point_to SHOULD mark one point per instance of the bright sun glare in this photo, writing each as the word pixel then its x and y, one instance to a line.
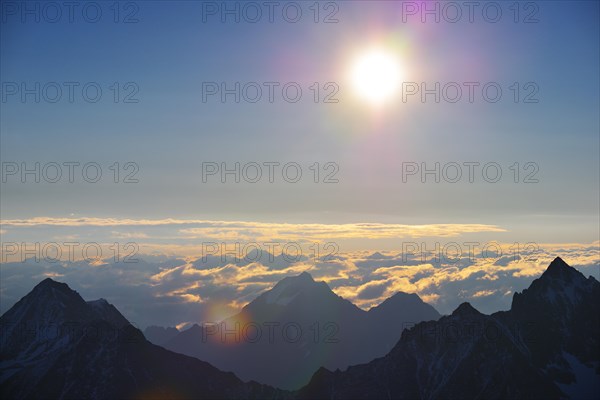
pixel 376 76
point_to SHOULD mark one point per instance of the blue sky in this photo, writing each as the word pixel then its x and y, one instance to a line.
pixel 170 132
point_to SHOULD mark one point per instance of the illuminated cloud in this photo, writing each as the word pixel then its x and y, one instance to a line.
pixel 484 293
pixel 169 291
pixel 129 235
pixel 234 230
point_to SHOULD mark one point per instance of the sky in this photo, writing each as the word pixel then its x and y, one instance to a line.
pixel 131 112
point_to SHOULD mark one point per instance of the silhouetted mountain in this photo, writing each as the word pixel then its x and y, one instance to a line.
pixel 55 345
pixel 546 347
pixel 377 256
pixel 275 262
pixel 399 312
pixel 298 326
pixel 560 316
pixel 160 335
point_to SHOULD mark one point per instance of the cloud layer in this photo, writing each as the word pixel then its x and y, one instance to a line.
pixel 171 291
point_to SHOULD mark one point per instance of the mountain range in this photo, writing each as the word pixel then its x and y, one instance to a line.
pixel 298 326
pixel 545 347
pixel 56 345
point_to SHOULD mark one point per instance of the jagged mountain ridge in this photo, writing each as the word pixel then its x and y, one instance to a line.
pixel 538 349
pixel 56 345
pixel 527 352
pixel 160 335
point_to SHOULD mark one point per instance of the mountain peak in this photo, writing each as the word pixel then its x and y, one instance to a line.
pixel 466 309
pixel 399 298
pixel 51 283
pixel 304 277
pixel 49 288
pixel 404 295
pixel 376 256
pixel 558 264
pixel 56 301
pixel 288 288
pixel 408 304
pixel 560 270
pixel 300 281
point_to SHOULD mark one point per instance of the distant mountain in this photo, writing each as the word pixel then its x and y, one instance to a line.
pixel 275 262
pixel 298 326
pixel 395 314
pixel 545 347
pixel 159 334
pixel 56 345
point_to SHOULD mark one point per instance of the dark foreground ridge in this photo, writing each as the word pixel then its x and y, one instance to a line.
pixel 55 345
pixel 546 346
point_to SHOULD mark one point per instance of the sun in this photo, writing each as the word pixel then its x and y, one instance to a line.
pixel 376 75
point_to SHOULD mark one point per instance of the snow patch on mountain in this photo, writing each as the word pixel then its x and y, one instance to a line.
pixel 288 289
pixel 587 383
